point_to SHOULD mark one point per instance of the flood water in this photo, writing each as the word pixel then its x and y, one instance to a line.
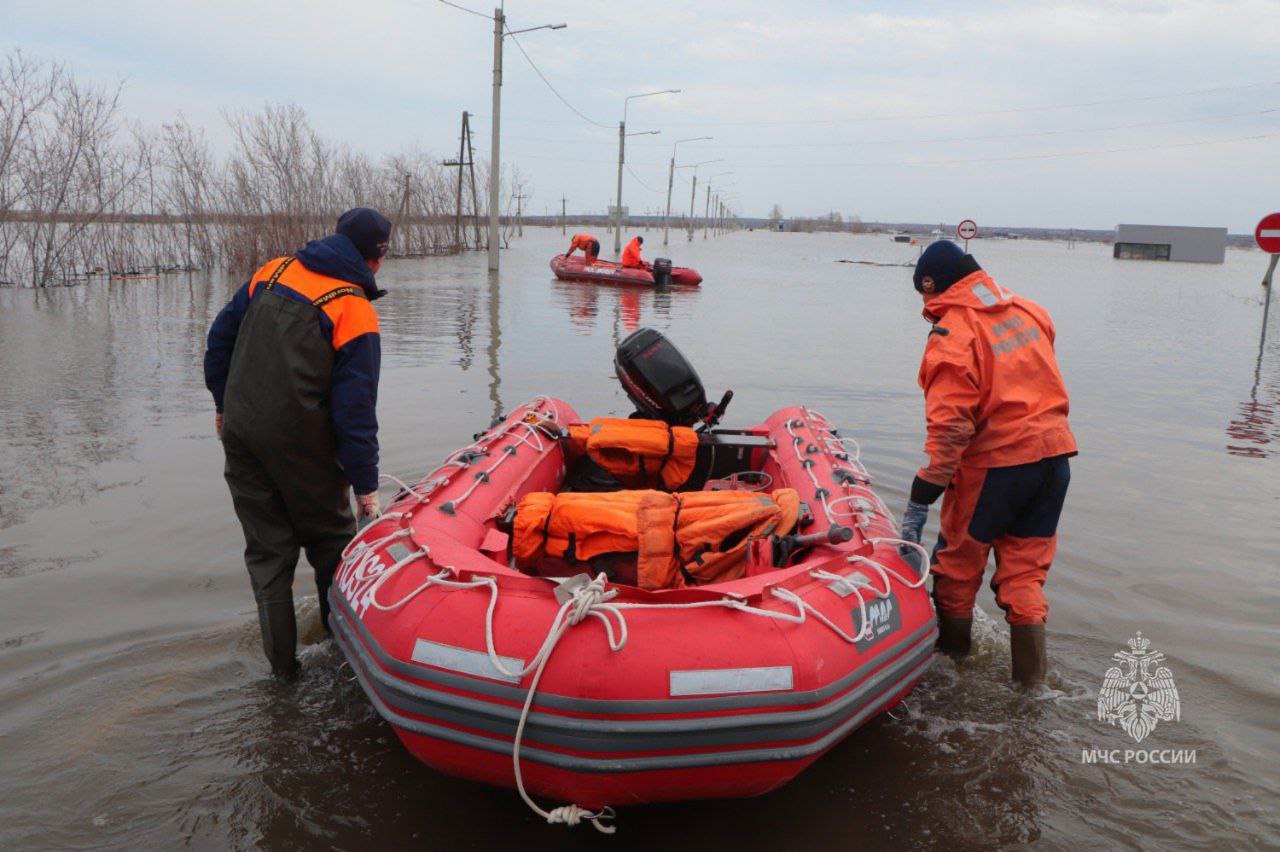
pixel 134 707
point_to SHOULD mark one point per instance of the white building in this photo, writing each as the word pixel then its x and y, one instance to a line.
pixel 1170 242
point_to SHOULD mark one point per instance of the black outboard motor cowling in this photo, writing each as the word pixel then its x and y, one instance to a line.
pixel 661 271
pixel 659 379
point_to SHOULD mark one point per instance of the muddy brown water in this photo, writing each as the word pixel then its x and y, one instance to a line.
pixel 134 710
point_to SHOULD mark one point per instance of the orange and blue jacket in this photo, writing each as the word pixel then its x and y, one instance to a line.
pixel 583 243
pixel 631 255
pixel 994 396
pixel 330 274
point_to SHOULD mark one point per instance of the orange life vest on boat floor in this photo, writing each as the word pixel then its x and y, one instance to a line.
pixel 680 540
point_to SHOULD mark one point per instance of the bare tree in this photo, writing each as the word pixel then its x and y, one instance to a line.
pixel 82 194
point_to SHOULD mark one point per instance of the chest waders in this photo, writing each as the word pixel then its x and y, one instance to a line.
pixel 289 491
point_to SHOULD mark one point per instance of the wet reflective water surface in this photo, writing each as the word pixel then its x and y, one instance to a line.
pixel 134 708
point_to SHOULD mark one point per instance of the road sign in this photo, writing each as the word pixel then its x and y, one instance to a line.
pixel 1268 234
pixel 968 229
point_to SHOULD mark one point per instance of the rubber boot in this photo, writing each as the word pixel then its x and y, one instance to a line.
pixel 1026 646
pixel 323 582
pixel 955 635
pixel 279 637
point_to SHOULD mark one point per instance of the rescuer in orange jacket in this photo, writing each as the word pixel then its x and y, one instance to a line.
pixel 631 255
pixel 998 444
pixel 588 244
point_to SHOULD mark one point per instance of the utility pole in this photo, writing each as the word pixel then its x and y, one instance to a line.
pixel 519 197
pixel 622 158
pixel 706 213
pixel 401 212
pixel 562 215
pixel 693 194
pixel 471 172
pixel 466 159
pixel 671 179
pixel 495 161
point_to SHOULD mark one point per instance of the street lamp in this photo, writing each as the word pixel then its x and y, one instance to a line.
pixel 706 213
pixel 500 32
pixel 622 152
pixel 693 192
pixel 671 179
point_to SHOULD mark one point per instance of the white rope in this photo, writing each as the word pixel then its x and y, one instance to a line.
pixel 590 599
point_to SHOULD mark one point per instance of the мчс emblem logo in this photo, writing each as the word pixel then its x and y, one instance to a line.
pixel 1136 694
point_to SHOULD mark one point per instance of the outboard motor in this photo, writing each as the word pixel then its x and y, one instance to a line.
pixel 661 381
pixel 661 271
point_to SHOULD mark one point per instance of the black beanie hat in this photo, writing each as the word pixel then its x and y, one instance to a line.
pixel 368 229
pixel 944 262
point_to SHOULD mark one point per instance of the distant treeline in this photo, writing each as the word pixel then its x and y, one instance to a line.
pixel 83 191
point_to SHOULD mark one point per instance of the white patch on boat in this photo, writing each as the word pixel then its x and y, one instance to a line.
pixel 463 660
pixel 731 681
pixel 846 586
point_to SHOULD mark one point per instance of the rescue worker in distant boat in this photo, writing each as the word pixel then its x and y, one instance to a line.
pixel 631 254
pixel 997 445
pixel 293 362
pixel 588 244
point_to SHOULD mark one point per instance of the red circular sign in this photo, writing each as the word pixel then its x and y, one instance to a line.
pixel 1268 234
pixel 967 230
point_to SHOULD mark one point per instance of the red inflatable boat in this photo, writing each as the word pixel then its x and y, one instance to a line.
pixel 584 689
pixel 607 272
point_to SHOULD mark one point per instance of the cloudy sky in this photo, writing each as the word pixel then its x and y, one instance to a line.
pixel 1079 113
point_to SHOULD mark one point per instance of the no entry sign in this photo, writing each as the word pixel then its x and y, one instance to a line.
pixel 968 229
pixel 1268 234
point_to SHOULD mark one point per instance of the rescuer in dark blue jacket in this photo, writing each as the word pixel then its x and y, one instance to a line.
pixel 292 362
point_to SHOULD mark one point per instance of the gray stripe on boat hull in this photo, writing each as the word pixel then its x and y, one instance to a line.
pixel 613 706
pixel 577 763
pixel 396 698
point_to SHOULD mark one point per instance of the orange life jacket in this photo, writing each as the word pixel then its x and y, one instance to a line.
pixel 638 453
pixel 679 540
pixel 582 242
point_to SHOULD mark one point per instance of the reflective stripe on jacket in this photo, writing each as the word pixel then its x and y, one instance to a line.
pixel 994 396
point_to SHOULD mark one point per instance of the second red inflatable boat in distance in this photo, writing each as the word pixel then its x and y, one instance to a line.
pixel 607 272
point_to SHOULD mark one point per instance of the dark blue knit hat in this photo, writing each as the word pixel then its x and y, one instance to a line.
pixel 368 229
pixel 944 262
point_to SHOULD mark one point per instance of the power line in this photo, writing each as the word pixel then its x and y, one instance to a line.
pixel 950 138
pixel 544 79
pixel 958 161
pixel 469 11
pixel 959 114
pixel 640 180
pixel 936 139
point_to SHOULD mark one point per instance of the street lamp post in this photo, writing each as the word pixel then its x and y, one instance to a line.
pixel 671 179
pixel 693 193
pixel 622 158
pixel 500 32
pixel 706 214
